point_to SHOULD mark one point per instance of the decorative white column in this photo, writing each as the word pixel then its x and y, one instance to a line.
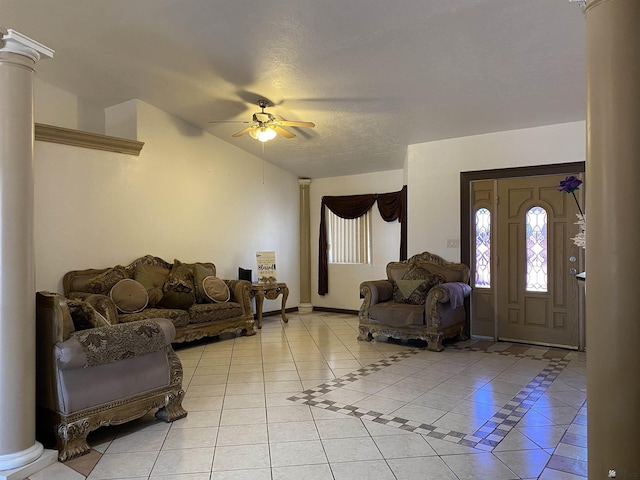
pixel 18 447
pixel 613 237
pixel 305 305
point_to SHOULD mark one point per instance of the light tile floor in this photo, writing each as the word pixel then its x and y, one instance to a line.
pixel 306 400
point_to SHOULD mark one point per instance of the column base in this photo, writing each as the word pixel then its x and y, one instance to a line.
pixel 305 308
pixel 47 457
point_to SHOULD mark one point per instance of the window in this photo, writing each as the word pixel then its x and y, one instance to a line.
pixel 483 248
pixel 349 239
pixel 536 225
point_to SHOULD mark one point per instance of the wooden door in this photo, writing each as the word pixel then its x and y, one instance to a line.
pixel 537 293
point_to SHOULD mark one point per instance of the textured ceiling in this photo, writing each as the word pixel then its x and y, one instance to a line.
pixel 373 75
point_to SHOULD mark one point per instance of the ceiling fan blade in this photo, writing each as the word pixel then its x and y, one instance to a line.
pixel 281 131
pixel 288 123
pixel 242 132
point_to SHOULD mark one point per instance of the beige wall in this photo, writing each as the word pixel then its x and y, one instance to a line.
pixel 433 172
pixel 55 106
pixel 193 196
pixel 189 196
pixel 344 280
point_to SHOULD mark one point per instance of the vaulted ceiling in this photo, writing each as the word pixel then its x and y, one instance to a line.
pixel 373 75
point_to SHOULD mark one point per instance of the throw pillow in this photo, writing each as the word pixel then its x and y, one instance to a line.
pixel 104 282
pixel 178 290
pixel 432 278
pixel 414 285
pixel 449 274
pixel 414 273
pixel 410 291
pixel 152 277
pixel 216 289
pixel 103 305
pixel 200 272
pixel 180 278
pixel 84 316
pixel 129 296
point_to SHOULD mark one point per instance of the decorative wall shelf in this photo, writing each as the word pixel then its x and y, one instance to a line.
pixel 79 138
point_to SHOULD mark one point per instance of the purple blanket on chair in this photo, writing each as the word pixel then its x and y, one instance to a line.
pixel 457 292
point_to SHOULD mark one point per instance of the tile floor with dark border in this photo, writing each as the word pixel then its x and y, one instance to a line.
pixel 494 430
pixel 479 409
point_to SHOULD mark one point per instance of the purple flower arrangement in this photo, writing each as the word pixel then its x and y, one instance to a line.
pixel 570 185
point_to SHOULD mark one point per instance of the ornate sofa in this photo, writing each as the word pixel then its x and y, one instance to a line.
pixel 173 290
pixel 102 375
pixel 422 298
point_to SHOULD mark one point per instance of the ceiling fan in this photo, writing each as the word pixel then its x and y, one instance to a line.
pixel 265 126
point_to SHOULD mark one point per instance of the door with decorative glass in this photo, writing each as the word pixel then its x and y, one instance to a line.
pixel 536 291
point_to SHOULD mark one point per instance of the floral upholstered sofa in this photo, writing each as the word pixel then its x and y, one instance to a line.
pixel 422 298
pixel 198 303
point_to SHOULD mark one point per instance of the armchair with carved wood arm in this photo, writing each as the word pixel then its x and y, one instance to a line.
pixel 422 298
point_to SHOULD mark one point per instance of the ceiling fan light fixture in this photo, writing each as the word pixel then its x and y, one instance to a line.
pixel 263 134
pixel 265 126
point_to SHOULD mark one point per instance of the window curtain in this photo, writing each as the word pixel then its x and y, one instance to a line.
pixel 392 206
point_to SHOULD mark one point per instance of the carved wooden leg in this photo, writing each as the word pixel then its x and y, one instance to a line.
pixel 173 410
pixel 434 342
pixel 365 334
pixel 259 302
pixel 71 439
pixel 250 330
pixel 173 399
pixel 462 335
pixel 285 293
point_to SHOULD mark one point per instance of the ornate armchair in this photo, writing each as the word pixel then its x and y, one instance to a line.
pixel 101 375
pixel 422 298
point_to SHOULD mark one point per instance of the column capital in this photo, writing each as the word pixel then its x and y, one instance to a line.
pixel 582 3
pixel 14 42
pixel 304 181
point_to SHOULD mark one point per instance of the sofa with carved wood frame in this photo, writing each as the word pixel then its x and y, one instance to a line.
pixel 430 309
pixel 199 317
pixel 100 375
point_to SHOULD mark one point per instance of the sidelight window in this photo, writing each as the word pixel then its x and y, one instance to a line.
pixel 536 238
pixel 483 248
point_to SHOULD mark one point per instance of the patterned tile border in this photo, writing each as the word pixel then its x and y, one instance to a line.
pixel 487 437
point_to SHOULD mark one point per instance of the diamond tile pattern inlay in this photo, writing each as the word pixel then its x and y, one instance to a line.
pixel 307 400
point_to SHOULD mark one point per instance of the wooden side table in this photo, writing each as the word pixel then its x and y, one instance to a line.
pixel 270 291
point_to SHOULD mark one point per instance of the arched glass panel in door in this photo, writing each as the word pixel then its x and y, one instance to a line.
pixel 483 248
pixel 536 238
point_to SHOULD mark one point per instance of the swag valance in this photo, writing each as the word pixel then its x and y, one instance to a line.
pixel 392 206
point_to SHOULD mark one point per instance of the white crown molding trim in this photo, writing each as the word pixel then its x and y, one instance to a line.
pixel 14 42
pixel 78 138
